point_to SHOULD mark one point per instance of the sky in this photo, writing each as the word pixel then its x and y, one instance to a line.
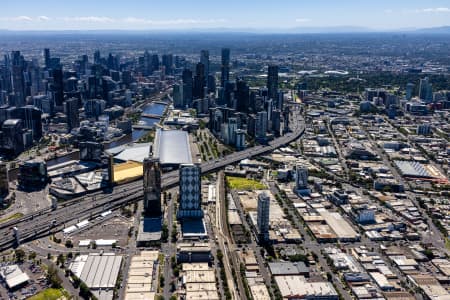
pixel 210 14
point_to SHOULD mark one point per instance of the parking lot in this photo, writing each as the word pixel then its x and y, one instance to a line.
pixel 36 283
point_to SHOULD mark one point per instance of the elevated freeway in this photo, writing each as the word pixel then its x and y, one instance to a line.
pixel 47 221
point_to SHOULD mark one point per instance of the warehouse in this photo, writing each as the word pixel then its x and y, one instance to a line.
pixel 296 287
pixel 99 272
pixel 143 269
pixel 342 229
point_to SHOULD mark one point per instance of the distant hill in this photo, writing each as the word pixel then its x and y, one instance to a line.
pixel 235 31
pixel 435 30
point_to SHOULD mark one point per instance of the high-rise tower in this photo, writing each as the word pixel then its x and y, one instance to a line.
pixel 152 187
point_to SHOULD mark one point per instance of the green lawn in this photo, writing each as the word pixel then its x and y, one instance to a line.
pixel 447 243
pixel 49 294
pixel 242 184
pixel 12 217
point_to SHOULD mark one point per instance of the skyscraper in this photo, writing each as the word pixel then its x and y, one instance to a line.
pixel 47 57
pixel 409 91
pixel 71 111
pixel 242 95
pixel 225 67
pixel 190 192
pixel 152 187
pixel 263 217
pixel 272 82
pixel 178 96
pixel 199 81
pixel 426 90
pixel 261 125
pixel 204 59
pixel 167 62
pixel 58 87
pixel 4 180
pixel 18 81
pixel 188 85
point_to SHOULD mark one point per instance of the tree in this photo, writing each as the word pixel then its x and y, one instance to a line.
pixel 60 260
pixel 19 255
pixel 53 277
pixel 32 256
pixel 164 232
pixel 85 293
pixel 69 244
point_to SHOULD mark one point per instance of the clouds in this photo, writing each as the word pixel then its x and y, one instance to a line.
pixel 117 21
pixel 172 21
pixel 434 10
pixel 430 10
pixel 89 19
pixel 302 20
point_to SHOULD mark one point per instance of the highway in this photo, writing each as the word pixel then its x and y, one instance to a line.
pixel 47 221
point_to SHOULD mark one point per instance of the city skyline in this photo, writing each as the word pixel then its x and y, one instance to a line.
pixel 251 15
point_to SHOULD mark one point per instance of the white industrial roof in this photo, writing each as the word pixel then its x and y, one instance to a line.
pixel 102 242
pixel 101 271
pixel 13 275
pixel 135 152
pixel 69 229
pixel 84 243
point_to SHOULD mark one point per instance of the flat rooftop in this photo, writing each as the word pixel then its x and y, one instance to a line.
pixel 149 230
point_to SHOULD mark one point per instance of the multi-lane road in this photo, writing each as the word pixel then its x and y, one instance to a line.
pixel 47 221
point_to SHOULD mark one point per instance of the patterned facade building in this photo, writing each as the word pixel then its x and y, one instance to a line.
pixel 190 192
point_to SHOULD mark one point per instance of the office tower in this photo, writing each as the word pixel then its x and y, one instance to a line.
pixel 423 129
pixel 31 118
pixel 409 91
pixel 211 83
pixel 225 67
pixel 178 95
pixel 155 62
pixel 13 140
pixel 242 96
pixel 113 62
pixel 261 125
pixel 167 62
pixel 232 128
pixel 17 77
pixel 199 81
pixel 4 180
pixel 286 118
pixel 426 90
pixel 301 178
pixel 47 58
pixel 240 139
pixel 272 82
pixel 188 85
pixel 190 192
pixel 71 111
pixel 263 217
pixel 268 106
pixel 97 58
pixel 32 175
pixel 93 108
pixel 276 122
pixel 152 187
pixel 204 59
pixel 280 101
pixel 58 87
